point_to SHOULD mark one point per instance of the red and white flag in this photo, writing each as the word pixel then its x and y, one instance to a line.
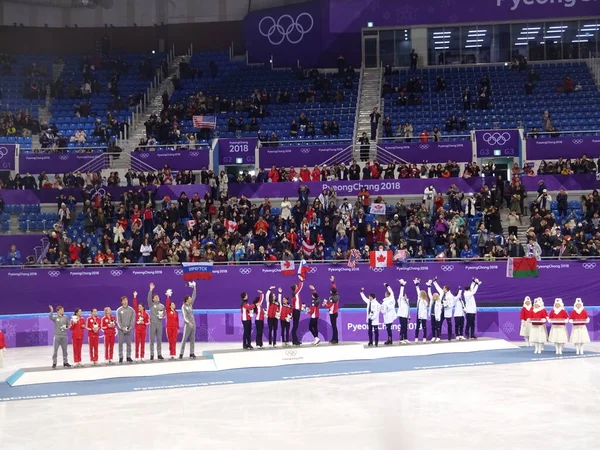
pixel 191 223
pixel 231 226
pixel 205 122
pixel 303 268
pixel 380 258
pixel 307 247
pixel 288 268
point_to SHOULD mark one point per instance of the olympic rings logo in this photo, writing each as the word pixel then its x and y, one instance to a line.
pixel 144 155
pixel 589 266
pixel 285 28
pixel 377 269
pixel 291 353
pixel 93 192
pixel 116 273
pixel 313 270
pixel 447 268
pixel 246 271
pixel 3 152
pixel 194 154
pixel 424 146
pixel 178 271
pixel 305 150
pixel 496 138
pixel 228 159
pixel 63 157
pixel 577 141
pixel 53 273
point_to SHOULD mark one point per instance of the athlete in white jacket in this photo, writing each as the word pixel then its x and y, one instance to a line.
pixel 373 308
pixel 448 303
pixel 459 315
pixel 471 308
pixel 423 311
pixel 403 313
pixel 388 308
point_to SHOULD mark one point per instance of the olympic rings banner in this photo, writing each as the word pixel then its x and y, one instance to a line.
pixel 96 287
pixel 432 152
pixel 53 163
pixel 497 143
pixel 563 147
pixel 7 157
pixel 285 33
pixel 186 159
pixel 226 326
pixel 230 150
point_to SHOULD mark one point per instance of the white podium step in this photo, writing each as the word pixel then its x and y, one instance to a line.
pixel 281 356
pixel 43 375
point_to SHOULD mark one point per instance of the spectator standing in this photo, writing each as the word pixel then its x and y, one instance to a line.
pixel 414 59
pixel 375 116
pixel 14 256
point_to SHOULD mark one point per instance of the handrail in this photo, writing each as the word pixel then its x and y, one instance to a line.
pixel 387 157
pixel 357 114
pixel 417 138
pixel 328 262
pixel 339 157
pixel 99 162
pixel 138 165
pixel 561 132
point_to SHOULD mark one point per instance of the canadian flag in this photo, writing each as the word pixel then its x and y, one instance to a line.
pixel 288 268
pixel 380 258
pixel 231 226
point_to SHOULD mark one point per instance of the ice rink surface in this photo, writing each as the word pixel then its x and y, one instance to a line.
pixel 551 404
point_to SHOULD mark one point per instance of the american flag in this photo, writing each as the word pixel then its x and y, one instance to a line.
pixel 205 122
pixel 354 256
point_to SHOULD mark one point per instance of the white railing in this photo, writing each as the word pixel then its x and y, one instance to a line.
pixel 594 66
pixel 341 157
pixel 137 165
pixel 386 157
pixel 358 105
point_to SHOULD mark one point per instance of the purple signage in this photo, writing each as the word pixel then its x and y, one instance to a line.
pixel 352 15
pixel 433 152
pixel 7 157
pixel 563 147
pixel 226 326
pixel 309 155
pixel 232 149
pixel 492 143
pixel 185 159
pixel 284 35
pixel 60 162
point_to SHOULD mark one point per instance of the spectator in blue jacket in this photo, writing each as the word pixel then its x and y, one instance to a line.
pixel 14 256
pixel 466 253
pixel 342 241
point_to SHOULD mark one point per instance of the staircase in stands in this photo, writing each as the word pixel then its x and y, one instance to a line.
pixel 368 97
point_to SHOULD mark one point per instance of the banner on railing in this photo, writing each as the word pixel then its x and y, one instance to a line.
pixel 237 151
pixel 307 155
pixel 498 143
pixel 7 157
pixel 52 163
pixel 97 287
pixel 432 152
pixel 184 159
pixel 563 147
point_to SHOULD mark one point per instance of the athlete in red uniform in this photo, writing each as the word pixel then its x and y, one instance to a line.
pixel 93 325
pixel 77 325
pixel 142 319
pixel 109 324
pixel 172 325
pixel 2 348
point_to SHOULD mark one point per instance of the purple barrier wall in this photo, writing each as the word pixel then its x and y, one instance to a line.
pixel 564 147
pixel 7 157
pixel 231 149
pixel 32 290
pixel 57 162
pixel 177 160
pixel 507 142
pixel 433 152
pixel 296 156
pixel 226 327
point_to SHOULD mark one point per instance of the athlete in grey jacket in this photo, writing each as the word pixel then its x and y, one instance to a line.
pixel 61 325
pixel 125 320
pixel 157 313
pixel 189 323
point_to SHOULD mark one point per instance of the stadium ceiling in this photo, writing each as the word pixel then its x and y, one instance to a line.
pixel 65 3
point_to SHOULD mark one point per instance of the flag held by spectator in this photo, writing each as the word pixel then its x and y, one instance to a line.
pixel 378 209
pixel 197 271
pixel 353 258
pixel 303 268
pixel 191 223
pixel 231 226
pixel 205 122
pixel 307 248
pixel 380 258
pixel 288 268
pixel 521 268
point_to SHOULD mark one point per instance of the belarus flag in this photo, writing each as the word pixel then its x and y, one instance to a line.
pixel 231 226
pixel 288 268
pixel 197 271
pixel 381 258
pixel 303 268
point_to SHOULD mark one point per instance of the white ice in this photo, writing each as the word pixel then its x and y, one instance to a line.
pixel 550 405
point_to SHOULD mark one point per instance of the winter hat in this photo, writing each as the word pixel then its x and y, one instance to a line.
pixel 578 303
pixel 538 303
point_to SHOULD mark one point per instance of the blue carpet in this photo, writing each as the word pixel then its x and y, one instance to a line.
pixel 292 372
